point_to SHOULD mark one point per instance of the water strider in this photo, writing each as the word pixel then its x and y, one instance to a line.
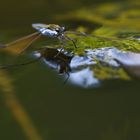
pixel 54 58
pixel 56 31
pixel 50 30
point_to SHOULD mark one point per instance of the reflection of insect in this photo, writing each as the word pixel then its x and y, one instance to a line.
pixel 60 61
pixel 51 56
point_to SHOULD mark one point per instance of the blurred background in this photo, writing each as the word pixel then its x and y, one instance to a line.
pixel 19 13
pixel 34 103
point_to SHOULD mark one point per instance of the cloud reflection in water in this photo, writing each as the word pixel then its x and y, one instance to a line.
pixel 80 69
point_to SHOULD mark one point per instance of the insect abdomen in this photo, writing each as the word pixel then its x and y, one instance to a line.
pixel 48 32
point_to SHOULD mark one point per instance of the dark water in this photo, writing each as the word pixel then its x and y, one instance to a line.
pixel 57 111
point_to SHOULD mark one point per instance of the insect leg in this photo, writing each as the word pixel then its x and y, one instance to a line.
pixel 61 39
pixel 22 44
pixel 67 78
pixel 21 64
pixel 72 40
pixel 28 45
pixel 76 33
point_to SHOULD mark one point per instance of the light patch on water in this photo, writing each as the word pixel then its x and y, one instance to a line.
pixel 84 78
pixel 103 55
pixel 81 68
pixel 36 54
pixel 78 61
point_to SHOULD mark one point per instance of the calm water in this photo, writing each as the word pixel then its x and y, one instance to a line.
pixel 57 111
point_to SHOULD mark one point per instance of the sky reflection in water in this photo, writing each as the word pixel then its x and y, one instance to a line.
pixel 80 69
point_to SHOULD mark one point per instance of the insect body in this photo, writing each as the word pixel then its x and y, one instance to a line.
pixel 51 30
pixel 55 31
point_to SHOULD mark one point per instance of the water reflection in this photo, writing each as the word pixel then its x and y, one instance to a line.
pixel 84 78
pixel 104 55
pixel 56 59
pixel 81 70
pixel 75 67
pixel 81 61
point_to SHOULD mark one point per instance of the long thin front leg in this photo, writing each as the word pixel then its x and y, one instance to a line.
pixel 21 64
pixel 22 44
pixel 28 45
pixel 62 45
